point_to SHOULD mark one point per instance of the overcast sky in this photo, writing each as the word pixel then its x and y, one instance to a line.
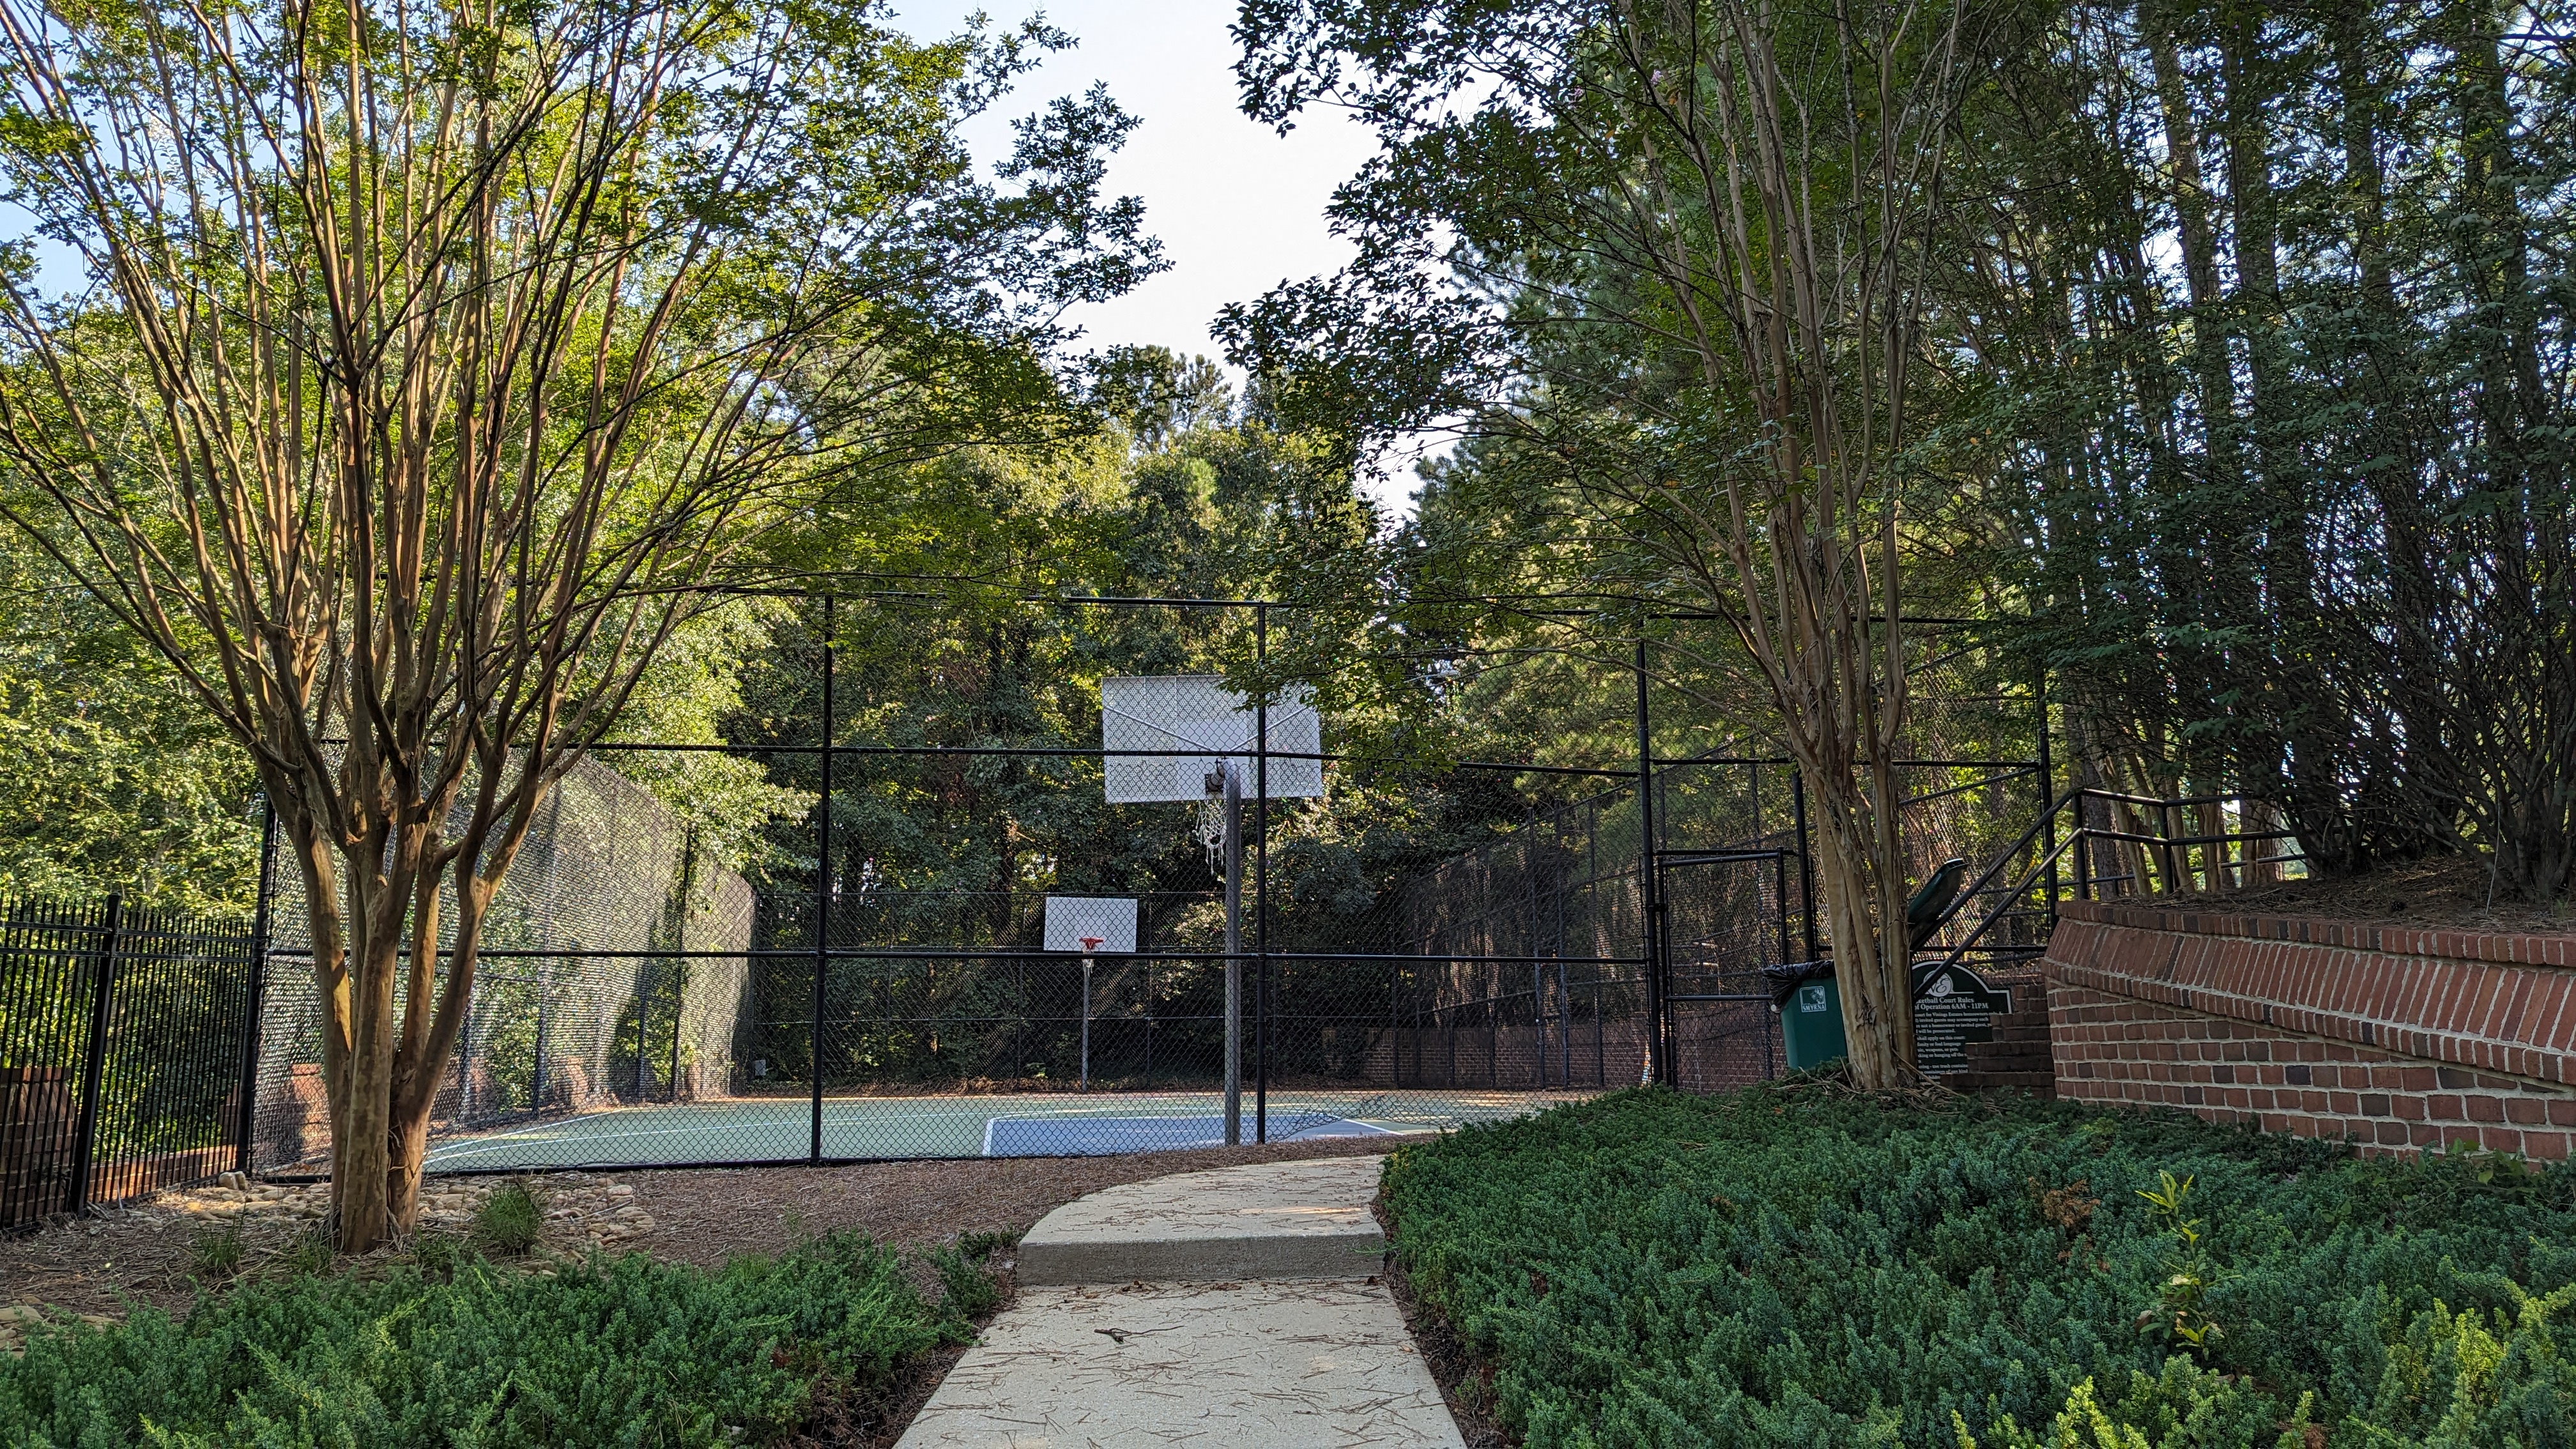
pixel 1238 208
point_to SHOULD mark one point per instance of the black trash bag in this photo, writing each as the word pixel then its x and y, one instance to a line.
pixel 1785 978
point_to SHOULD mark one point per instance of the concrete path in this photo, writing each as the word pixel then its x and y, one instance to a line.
pixel 1269 1220
pixel 1207 1309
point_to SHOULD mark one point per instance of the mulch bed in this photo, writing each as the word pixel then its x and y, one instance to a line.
pixel 140 1253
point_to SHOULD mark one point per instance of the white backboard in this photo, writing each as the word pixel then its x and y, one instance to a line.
pixel 1197 713
pixel 1111 920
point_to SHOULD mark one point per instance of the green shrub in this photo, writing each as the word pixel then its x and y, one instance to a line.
pixel 967 1291
pixel 623 1351
pixel 508 1223
pixel 1798 1266
pixel 437 1255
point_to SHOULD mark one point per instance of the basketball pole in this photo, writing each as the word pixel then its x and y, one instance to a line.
pixel 1233 953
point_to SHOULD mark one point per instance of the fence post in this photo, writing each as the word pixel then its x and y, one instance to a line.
pixel 1658 1046
pixel 258 987
pixel 94 1060
pixel 643 990
pixel 1806 858
pixel 2083 850
pixel 2047 798
pixel 537 1068
pixel 822 895
pixel 1261 877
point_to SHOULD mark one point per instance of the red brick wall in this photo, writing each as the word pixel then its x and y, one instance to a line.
pixel 2393 1039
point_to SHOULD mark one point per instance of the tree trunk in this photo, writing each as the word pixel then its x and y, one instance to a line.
pixel 1869 962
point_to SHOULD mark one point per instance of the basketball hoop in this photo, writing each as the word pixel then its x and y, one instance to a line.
pixel 1087 924
pixel 1211 829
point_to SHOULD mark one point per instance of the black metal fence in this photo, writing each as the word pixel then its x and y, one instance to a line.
pixel 1424 943
pixel 124 1034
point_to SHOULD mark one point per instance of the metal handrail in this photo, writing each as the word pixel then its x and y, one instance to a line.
pixel 1923 975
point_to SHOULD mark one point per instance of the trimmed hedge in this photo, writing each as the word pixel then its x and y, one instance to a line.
pixel 1797 1265
pixel 608 1352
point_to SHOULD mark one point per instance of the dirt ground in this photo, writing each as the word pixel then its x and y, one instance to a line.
pixel 2442 891
pixel 143 1252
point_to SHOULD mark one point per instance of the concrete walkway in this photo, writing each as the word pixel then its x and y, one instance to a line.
pixel 1207 1309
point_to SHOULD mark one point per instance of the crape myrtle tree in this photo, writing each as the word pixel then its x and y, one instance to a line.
pixel 1673 251
pixel 426 366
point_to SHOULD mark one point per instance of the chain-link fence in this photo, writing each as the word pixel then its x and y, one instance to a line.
pixel 1332 933
pixel 613 973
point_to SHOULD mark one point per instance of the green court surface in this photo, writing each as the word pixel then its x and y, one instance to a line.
pixel 1016 1124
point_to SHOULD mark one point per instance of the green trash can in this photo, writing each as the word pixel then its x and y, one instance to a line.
pixel 1811 1013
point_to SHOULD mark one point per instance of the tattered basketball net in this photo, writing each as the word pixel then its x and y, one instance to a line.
pixel 1212 830
pixel 1091 944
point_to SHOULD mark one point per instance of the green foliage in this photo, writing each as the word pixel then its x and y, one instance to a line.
pixel 622 1351
pixel 966 1290
pixel 111 777
pixel 2182 1407
pixel 2472 1378
pixel 1798 1266
pixel 437 1255
pixel 509 1222
pixel 215 1253
pixel 310 1253
pixel 2183 1297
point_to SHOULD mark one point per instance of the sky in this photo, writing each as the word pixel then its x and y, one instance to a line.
pixel 1238 207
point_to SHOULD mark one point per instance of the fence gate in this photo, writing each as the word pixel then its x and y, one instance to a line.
pixel 1726 915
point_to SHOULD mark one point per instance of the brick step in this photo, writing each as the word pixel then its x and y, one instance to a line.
pixel 2038 1033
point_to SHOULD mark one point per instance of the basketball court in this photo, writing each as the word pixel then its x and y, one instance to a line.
pixel 1018 1125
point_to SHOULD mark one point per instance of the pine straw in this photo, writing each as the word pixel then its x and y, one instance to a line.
pixel 2451 892
pixel 706 1215
pixel 104 1263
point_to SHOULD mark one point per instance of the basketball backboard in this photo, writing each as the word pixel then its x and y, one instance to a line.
pixel 1197 715
pixel 1110 921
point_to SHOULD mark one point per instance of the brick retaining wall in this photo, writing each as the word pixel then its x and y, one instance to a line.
pixel 2393 1038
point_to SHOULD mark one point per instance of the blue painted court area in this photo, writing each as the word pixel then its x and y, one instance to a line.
pixel 780 1129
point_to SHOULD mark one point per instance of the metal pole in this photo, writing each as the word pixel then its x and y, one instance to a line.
pixel 1806 858
pixel 258 970
pixel 2083 853
pixel 822 893
pixel 1233 954
pixel 1086 1022
pixel 1658 1055
pixel 537 1069
pixel 643 978
pixel 94 1060
pixel 2047 797
pixel 1261 879
pixel 1538 1019
pixel 1564 1028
